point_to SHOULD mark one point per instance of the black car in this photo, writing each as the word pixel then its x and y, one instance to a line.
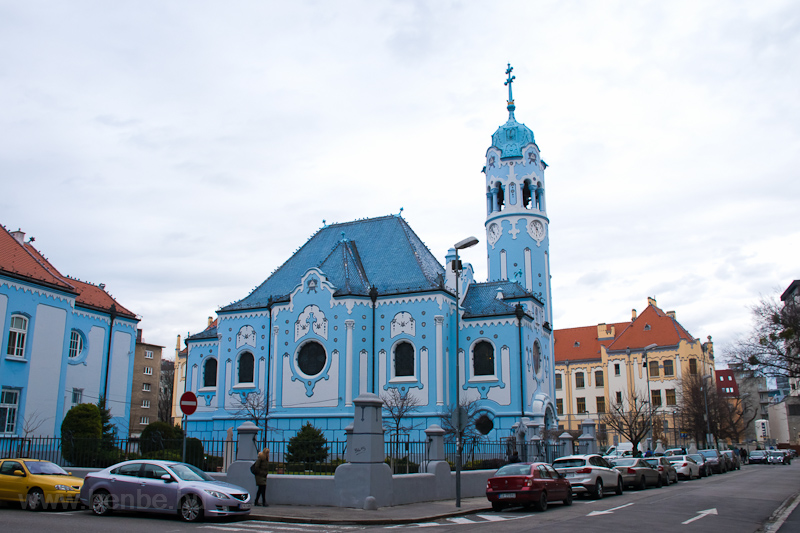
pixel 758 457
pixel 716 462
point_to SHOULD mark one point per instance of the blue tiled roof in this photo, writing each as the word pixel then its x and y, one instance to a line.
pixel 481 298
pixel 384 252
pixel 208 333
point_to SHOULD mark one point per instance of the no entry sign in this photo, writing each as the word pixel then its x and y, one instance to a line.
pixel 188 403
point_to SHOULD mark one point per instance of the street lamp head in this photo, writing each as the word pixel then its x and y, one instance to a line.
pixel 466 243
pixel 650 346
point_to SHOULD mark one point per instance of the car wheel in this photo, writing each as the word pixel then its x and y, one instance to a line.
pixel 35 500
pixel 191 508
pixel 598 489
pixel 497 507
pixel 618 490
pixel 642 483
pixel 541 505
pixel 101 503
pixel 568 499
pixel 659 483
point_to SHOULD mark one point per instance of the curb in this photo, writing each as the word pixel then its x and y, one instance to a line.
pixel 363 521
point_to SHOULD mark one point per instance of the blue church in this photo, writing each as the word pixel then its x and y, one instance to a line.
pixel 364 306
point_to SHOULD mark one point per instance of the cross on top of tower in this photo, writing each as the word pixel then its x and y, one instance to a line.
pixel 508 82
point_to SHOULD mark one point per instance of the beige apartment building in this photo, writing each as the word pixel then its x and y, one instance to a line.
pixel 145 385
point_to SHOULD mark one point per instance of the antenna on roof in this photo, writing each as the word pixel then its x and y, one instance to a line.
pixel 400 214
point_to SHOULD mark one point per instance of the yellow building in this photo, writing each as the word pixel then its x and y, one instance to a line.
pixel 604 363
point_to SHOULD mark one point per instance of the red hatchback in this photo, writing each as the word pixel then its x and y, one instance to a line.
pixel 527 484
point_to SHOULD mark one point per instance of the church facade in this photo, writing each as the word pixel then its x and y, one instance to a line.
pixel 364 306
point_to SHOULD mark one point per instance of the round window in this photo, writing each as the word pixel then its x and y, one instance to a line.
pixel 311 358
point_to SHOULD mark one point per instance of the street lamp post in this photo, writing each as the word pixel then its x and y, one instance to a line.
pixel 705 396
pixel 466 243
pixel 649 396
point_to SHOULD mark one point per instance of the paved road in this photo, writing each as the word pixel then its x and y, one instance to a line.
pixel 735 502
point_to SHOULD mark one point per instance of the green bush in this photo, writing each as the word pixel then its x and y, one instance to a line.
pixel 81 430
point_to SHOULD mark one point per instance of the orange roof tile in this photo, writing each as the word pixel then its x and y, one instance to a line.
pixel 652 326
pixel 581 344
pixel 94 297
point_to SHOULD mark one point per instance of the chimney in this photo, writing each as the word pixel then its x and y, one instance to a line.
pixel 604 331
pixel 651 301
pixel 671 314
pixel 633 315
pixel 19 235
pixel 499 294
pixel 102 286
pixel 139 335
pixel 210 320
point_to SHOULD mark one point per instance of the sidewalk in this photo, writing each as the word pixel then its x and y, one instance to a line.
pixel 400 514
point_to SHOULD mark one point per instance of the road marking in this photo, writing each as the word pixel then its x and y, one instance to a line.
pixel 609 511
pixel 491 517
pixel 702 514
pixel 783 515
pixel 461 520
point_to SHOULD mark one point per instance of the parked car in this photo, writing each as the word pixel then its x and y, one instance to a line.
pixel 162 487
pixel 665 468
pixel 527 484
pixel 38 484
pixel 758 457
pixel 702 462
pixel 638 473
pixel 685 466
pixel 589 474
pixel 777 457
pixel 732 459
pixel 675 451
pixel 716 463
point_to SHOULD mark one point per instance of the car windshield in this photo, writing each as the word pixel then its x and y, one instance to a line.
pixel 45 468
pixel 697 457
pixel 775 454
pixel 568 463
pixel 651 462
pixel 514 470
pixel 756 453
pixel 624 462
pixel 190 473
pixel 708 453
pixel 675 458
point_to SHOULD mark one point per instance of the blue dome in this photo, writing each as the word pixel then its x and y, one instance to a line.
pixel 512 136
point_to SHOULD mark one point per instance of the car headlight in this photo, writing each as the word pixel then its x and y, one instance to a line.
pixel 63 487
pixel 217 494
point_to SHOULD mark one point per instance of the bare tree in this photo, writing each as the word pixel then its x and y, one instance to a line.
pixel 32 422
pixel 398 406
pixel 773 346
pixel 632 419
pixel 253 408
pixel 165 391
pixel 696 419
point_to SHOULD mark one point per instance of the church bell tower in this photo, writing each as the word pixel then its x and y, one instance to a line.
pixel 517 233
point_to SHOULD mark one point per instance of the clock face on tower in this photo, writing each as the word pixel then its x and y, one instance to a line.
pixel 493 232
pixel 537 230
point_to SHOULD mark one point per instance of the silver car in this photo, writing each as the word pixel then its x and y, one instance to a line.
pixel 589 474
pixel 162 487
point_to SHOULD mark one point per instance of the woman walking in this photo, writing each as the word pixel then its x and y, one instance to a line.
pixel 260 471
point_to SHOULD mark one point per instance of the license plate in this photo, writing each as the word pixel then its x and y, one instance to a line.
pixel 569 474
pixel 244 506
pixel 506 495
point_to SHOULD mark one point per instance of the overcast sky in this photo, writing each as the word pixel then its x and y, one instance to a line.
pixel 181 151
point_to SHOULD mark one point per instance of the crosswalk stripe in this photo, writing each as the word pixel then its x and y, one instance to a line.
pixel 461 520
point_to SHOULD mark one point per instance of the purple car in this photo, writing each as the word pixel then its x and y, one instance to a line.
pixel 162 487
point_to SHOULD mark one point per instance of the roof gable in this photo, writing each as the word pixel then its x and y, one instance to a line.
pixel 22 260
pixel 652 326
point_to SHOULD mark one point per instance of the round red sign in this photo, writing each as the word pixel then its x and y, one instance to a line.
pixel 188 403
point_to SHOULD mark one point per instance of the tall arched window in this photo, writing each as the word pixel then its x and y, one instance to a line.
pixel 537 357
pixel 16 336
pixel 403 360
pixel 246 364
pixel 75 344
pixel 210 372
pixel 483 359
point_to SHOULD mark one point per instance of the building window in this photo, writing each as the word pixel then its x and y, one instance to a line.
pixel 558 381
pixel 619 397
pixel 616 369
pixel 483 359
pixel 601 404
pixel 148 371
pixel 653 369
pixel 579 381
pixel 599 378
pixel 77 396
pixel 669 368
pixel 145 404
pixel 75 344
pixel 670 394
pixel 144 420
pixel 655 397
pixel 148 354
pixel 403 360
pixel 693 367
pixel 145 387
pixel 246 365
pixel 560 406
pixel 16 336
pixel 537 357
pixel 9 403
pixel 581 405
pixel 210 373
pixel 311 359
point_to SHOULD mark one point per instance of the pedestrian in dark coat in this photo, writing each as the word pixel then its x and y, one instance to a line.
pixel 260 471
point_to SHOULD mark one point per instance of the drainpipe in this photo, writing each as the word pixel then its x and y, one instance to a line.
pixel 520 312
pixel 269 355
pixel 373 295
pixel 113 316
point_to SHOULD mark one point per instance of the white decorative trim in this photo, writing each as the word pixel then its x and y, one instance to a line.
pixel 436 298
pixel 242 314
pixel 204 343
pixel 302 326
pixel 38 290
pixel 246 336
pixel 487 322
pixel 403 322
